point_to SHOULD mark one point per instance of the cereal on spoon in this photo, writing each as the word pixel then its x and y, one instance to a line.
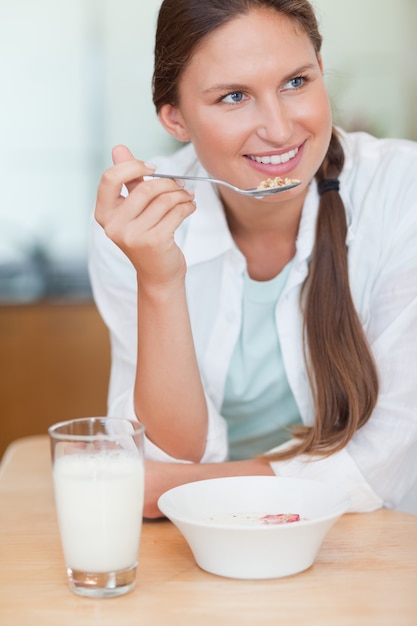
pixel 277 181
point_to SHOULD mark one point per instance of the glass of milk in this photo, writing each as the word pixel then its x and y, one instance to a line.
pixel 98 476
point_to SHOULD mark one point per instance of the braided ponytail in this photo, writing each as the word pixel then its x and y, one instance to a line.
pixel 341 369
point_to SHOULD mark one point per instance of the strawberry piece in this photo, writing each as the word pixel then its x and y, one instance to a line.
pixel 279 518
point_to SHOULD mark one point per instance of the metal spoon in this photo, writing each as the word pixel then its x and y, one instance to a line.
pixel 254 193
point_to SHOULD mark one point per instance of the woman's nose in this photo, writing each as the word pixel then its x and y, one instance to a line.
pixel 274 123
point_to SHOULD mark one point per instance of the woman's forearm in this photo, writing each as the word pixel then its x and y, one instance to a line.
pixel 169 397
pixel 159 477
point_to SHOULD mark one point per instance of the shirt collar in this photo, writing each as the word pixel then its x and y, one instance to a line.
pixel 206 233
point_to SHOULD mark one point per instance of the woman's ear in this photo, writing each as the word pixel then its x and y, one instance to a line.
pixel 172 120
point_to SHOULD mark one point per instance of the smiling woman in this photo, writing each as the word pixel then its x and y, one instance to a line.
pixel 238 326
pixel 246 334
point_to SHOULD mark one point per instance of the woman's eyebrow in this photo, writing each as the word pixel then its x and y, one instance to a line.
pixel 225 87
pixel 308 67
pixel 230 87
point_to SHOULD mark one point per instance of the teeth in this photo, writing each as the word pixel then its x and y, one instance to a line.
pixel 275 159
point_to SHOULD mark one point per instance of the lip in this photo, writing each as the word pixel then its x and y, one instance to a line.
pixel 276 152
pixel 279 169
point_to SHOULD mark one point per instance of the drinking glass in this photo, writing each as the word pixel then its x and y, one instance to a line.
pixel 98 476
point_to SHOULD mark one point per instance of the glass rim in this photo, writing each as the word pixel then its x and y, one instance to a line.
pixel 57 430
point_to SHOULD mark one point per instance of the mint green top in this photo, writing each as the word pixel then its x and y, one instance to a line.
pixel 258 404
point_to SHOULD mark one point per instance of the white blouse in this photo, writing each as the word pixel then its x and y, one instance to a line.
pixel 379 189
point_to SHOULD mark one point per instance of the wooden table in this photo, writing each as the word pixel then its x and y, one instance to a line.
pixel 365 573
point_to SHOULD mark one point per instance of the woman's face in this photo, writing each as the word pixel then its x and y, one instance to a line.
pixel 253 102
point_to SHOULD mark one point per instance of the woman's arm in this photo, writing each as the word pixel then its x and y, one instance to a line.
pixel 159 477
pixel 169 397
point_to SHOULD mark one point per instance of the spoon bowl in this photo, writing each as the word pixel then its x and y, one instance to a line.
pixel 254 193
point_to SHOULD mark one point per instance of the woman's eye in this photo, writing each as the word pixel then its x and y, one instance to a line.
pixel 295 83
pixel 234 98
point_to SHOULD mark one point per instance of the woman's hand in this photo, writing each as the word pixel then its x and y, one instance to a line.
pixel 158 479
pixel 143 223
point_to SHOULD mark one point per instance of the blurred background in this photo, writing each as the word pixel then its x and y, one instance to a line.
pixel 75 80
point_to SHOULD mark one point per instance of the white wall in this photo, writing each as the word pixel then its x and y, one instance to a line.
pixel 128 39
pixel 44 146
pixel 370 56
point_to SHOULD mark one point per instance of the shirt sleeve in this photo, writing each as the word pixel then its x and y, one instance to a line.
pixel 379 465
pixel 114 287
pixel 339 470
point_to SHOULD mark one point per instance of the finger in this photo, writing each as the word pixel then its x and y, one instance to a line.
pixel 141 211
pixel 150 200
pixel 158 208
pixel 127 173
pixel 160 235
pixel 121 154
pixel 156 189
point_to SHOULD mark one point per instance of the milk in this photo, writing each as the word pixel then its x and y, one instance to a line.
pixel 99 500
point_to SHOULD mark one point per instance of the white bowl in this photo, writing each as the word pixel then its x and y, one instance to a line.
pixel 203 512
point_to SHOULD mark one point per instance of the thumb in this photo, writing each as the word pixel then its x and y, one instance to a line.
pixel 121 153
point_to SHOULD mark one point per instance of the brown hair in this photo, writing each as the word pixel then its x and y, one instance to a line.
pixel 342 373
pixel 182 25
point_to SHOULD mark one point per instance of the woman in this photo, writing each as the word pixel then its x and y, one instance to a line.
pixel 240 326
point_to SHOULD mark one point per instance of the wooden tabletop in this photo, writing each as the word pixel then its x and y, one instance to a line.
pixel 365 573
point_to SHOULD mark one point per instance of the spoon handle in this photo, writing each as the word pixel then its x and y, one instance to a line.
pixel 254 193
pixel 204 179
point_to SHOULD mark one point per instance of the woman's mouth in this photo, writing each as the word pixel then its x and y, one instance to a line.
pixel 274 159
pixel 277 163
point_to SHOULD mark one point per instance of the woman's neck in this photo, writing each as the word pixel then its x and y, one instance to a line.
pixel 266 236
pixel 267 255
